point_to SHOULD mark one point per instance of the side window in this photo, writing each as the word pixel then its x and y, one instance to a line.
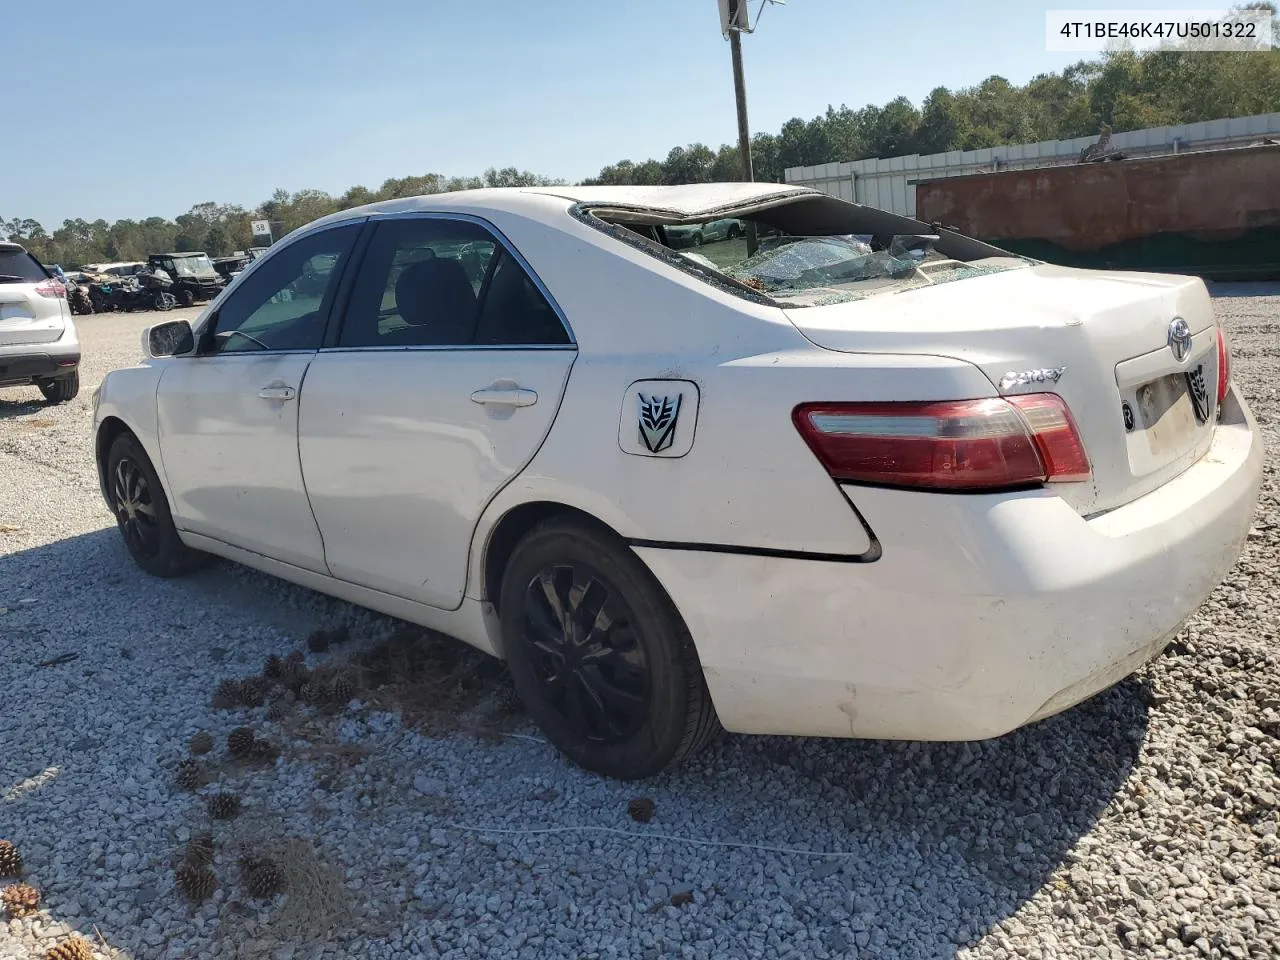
pixel 282 305
pixel 419 284
pixel 514 311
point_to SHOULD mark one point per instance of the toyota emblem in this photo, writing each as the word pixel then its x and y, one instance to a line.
pixel 1180 339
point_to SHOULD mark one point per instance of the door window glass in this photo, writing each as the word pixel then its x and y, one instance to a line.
pixel 419 284
pixel 283 304
pixel 515 312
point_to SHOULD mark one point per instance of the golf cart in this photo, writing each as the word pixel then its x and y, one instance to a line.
pixel 194 277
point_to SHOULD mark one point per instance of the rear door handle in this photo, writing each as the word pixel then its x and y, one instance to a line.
pixel 277 391
pixel 505 396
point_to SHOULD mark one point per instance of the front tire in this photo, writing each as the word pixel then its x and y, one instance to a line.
pixel 62 390
pixel 142 512
pixel 186 298
pixel 599 655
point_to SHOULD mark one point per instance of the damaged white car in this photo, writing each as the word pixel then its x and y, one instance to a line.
pixel 832 474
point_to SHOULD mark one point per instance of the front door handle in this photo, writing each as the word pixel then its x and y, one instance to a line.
pixel 278 390
pixel 506 396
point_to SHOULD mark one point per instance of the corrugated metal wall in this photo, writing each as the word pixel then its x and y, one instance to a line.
pixel 889 184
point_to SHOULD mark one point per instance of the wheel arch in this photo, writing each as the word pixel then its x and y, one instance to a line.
pixel 512 527
pixel 109 430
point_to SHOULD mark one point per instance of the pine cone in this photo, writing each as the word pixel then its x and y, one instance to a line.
pixel 226 695
pixel 21 900
pixel 199 852
pixel 273 669
pixel 509 701
pixel 262 876
pixel 201 743
pixel 223 806
pixel 253 691
pixel 240 741
pixel 278 709
pixel 344 686
pixel 315 690
pixel 263 751
pixel 195 883
pixel 190 774
pixel 77 948
pixel 641 809
pixel 295 676
pixel 10 859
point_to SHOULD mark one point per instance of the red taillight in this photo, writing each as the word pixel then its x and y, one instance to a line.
pixel 51 288
pixel 1224 367
pixel 947 445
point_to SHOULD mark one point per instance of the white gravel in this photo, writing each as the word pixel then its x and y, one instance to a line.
pixel 1142 823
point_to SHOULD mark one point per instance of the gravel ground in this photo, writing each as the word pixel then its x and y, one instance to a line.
pixel 1143 822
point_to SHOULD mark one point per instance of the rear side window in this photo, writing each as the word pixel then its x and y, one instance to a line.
pixel 18 266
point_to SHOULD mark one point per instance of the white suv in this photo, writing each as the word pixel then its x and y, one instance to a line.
pixel 38 343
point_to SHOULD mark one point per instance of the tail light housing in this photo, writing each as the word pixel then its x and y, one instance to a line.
pixel 1224 366
pixel 991 444
pixel 52 288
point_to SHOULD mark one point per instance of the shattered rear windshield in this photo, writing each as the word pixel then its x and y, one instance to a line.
pixel 795 269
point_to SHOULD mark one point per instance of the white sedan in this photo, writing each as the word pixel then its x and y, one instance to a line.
pixel 869 479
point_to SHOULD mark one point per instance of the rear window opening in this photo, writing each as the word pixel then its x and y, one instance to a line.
pixel 18 266
pixel 807 251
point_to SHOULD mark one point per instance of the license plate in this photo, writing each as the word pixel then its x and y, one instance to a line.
pixel 1170 410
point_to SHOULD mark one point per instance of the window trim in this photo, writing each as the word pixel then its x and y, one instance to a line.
pixel 209 328
pixel 338 317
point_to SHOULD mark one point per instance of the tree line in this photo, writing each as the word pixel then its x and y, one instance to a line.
pixel 1123 89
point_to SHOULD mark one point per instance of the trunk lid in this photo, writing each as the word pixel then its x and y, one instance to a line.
pixel 1100 340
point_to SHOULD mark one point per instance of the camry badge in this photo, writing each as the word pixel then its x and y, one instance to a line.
pixel 658 416
pixel 1021 378
pixel 1180 339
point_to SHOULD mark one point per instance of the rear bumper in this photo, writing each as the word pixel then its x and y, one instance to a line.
pixel 983 614
pixel 37 363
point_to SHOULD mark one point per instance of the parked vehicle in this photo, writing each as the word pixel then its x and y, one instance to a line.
pixel 878 480
pixel 38 343
pixel 149 289
pixel 230 267
pixel 124 268
pixel 194 278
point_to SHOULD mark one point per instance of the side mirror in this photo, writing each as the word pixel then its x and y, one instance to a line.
pixel 169 339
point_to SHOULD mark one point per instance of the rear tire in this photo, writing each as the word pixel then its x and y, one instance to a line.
pixel 619 689
pixel 62 390
pixel 142 513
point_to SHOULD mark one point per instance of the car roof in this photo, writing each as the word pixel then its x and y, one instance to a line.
pixel 185 253
pixel 683 202
pixel 10 247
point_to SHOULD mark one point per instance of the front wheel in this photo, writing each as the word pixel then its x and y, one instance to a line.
pixel 599 655
pixel 142 512
pixel 62 390
pixel 186 297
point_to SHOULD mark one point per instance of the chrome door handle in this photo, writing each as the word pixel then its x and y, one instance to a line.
pixel 505 396
pixel 277 391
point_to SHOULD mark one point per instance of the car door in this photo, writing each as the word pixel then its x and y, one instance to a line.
pixel 228 416
pixel 440 385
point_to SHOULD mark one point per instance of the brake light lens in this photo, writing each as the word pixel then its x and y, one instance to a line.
pixel 1224 367
pixel 989 444
pixel 52 288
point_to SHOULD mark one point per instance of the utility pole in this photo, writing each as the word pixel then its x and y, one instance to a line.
pixel 734 22
pixel 740 90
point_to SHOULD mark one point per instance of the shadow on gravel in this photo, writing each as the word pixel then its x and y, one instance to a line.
pixel 11 408
pixel 940 842
pixel 965 832
pixel 1245 288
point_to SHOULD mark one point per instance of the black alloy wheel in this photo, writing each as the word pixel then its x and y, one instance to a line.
pixel 582 642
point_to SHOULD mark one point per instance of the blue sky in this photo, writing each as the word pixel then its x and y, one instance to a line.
pixel 147 109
